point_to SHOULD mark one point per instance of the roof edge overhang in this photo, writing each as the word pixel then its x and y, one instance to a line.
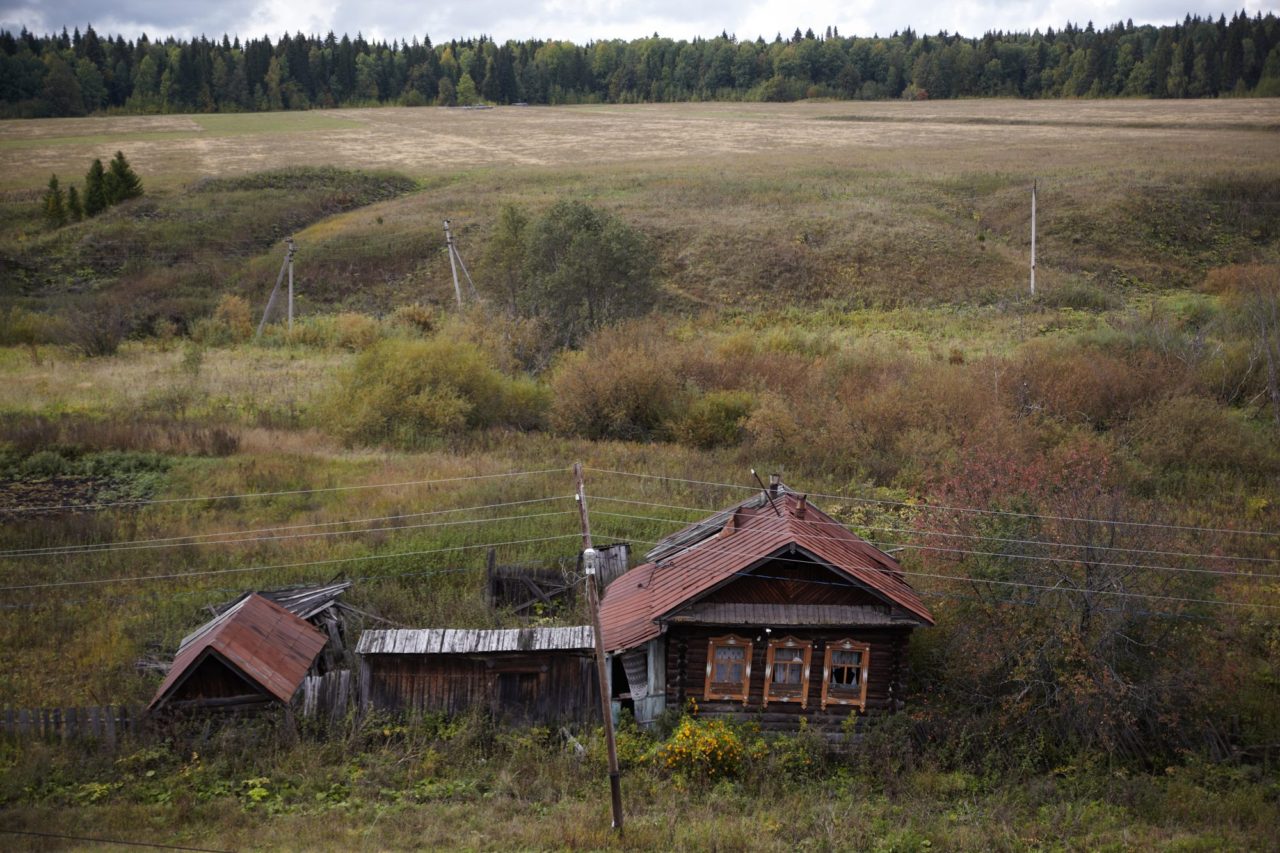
pixel 923 619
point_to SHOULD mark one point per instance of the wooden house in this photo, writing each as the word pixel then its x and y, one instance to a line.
pixel 769 609
pixel 254 653
pixel 520 675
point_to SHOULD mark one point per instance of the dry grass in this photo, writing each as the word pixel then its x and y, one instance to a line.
pixel 428 141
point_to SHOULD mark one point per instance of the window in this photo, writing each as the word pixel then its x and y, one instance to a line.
pixel 786 671
pixel 844 674
pixel 728 668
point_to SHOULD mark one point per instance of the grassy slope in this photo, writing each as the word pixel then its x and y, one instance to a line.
pixel 773 225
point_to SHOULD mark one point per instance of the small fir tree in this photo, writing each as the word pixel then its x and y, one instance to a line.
pixel 122 183
pixel 74 209
pixel 95 189
pixel 55 210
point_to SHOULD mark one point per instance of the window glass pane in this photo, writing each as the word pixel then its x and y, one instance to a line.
pixel 842 658
pixel 729 664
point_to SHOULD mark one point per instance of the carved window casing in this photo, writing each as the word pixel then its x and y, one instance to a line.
pixel 844 674
pixel 728 669
pixel 786 671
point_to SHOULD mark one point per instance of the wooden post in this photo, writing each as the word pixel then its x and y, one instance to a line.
pixel 288 259
pixel 453 266
pixel 590 561
pixel 1033 236
pixel 271 300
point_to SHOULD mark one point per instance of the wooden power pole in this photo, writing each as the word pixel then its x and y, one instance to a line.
pixel 455 261
pixel 287 266
pixel 590 562
pixel 1033 236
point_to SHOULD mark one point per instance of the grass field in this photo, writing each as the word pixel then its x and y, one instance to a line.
pixel 842 297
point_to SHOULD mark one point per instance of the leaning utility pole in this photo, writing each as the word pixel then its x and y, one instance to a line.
pixel 1033 236
pixel 590 562
pixel 287 266
pixel 455 261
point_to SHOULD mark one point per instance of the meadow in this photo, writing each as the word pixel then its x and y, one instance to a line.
pixel 841 296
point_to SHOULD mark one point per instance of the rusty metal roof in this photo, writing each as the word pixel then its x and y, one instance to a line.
pixel 261 640
pixel 732 542
pixel 461 641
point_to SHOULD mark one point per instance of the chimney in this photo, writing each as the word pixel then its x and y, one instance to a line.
pixel 775 481
pixel 801 505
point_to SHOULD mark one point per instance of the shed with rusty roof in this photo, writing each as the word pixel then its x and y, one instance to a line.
pixel 522 675
pixel 770 608
pixel 255 652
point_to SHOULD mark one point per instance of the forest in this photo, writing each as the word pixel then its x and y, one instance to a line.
pixel 86 73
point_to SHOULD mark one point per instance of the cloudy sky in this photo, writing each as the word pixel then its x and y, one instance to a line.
pixel 584 20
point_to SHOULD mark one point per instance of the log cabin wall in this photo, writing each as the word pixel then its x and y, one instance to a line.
pixel 687 662
pixel 530 687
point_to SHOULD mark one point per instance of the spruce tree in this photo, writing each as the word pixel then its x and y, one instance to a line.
pixel 55 211
pixel 122 182
pixel 95 189
pixel 74 211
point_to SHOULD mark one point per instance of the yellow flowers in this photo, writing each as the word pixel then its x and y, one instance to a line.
pixel 702 749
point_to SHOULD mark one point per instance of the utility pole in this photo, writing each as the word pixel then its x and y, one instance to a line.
pixel 1033 236
pixel 287 266
pixel 590 562
pixel 453 267
pixel 289 260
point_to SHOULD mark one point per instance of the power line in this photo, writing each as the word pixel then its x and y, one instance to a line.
pixel 946 508
pixel 174 575
pixel 1033 557
pixel 720 549
pixel 118 841
pixel 978 536
pixel 314 534
pixel 286 492
pixel 191 538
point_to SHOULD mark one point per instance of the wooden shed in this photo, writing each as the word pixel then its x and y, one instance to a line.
pixel 255 652
pixel 521 675
pixel 769 609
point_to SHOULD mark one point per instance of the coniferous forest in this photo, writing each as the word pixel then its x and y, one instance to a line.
pixel 76 73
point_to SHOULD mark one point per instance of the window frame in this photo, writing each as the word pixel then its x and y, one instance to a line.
pixel 846 645
pixel 788 643
pixel 728 641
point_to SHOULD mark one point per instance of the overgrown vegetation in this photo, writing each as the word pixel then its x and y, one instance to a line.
pixel 1089 670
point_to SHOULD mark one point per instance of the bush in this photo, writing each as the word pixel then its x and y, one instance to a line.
pixel 405 392
pixel 98 329
pixel 230 323
pixel 702 751
pixel 717 419
pixel 622 390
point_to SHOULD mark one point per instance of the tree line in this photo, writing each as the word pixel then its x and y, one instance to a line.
pixel 84 73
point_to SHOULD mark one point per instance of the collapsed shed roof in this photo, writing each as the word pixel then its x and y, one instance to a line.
pixel 261 642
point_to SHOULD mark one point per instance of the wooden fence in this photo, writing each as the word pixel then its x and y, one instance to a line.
pixel 103 723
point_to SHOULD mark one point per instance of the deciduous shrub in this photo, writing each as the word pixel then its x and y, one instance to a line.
pixel 702 751
pixel 231 322
pixel 717 419
pixel 406 392
pixel 615 389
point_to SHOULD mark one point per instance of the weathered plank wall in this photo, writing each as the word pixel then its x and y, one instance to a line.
pixel 542 687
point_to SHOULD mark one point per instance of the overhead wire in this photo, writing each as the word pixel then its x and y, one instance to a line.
pixel 982 537
pixel 243 569
pixel 722 549
pixel 1033 557
pixel 948 508
pixel 285 492
pixel 315 534
pixel 193 538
